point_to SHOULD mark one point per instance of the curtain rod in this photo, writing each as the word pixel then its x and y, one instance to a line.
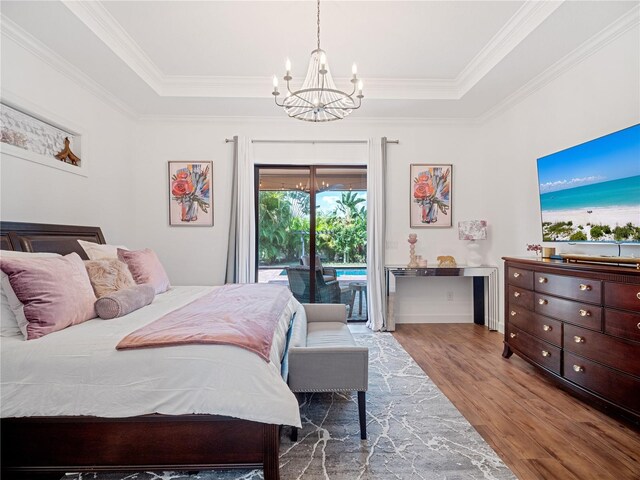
pixel 231 140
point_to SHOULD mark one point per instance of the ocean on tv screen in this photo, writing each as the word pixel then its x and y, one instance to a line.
pixel 591 192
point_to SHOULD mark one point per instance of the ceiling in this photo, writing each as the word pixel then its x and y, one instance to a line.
pixel 418 59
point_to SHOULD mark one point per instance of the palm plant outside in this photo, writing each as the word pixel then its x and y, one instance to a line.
pixel 283 218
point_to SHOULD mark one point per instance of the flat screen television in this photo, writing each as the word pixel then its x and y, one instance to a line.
pixel 591 192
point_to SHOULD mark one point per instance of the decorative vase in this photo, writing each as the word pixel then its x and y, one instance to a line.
pixel 189 211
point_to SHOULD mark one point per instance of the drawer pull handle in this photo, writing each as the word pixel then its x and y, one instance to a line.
pixel 585 287
pixel 638 325
pixel 547 328
pixel 516 294
pixel 578 339
pixel 543 280
pixel 517 275
pixel 542 301
pixel 638 295
pixel 513 313
pixel 585 313
pixel 578 368
pixel 545 353
pixel 513 335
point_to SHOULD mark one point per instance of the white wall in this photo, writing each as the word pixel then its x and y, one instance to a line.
pixel 31 192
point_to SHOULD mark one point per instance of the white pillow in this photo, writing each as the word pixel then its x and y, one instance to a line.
pixel 96 251
pixel 8 322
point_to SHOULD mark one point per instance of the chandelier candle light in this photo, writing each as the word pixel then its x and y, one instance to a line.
pixel 318 100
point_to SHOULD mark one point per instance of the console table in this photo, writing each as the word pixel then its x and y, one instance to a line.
pixel 483 274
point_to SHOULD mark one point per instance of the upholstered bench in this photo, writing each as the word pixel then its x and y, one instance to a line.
pixel 324 357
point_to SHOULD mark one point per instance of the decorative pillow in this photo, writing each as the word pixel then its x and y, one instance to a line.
pixel 125 301
pixel 108 276
pixel 8 321
pixel 96 251
pixel 145 267
pixel 48 294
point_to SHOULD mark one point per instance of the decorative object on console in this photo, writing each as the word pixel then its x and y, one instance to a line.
pixel 430 203
pixel 318 100
pixel 413 238
pixel 548 252
pixel 534 247
pixel 473 230
pixel 447 261
pixel 422 262
pixel 190 194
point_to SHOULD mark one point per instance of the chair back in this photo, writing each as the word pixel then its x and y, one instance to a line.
pixel 305 259
pixel 300 283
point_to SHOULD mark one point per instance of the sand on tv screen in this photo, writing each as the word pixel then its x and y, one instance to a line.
pixel 591 192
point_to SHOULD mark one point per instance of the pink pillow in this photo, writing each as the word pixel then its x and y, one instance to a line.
pixel 145 267
pixel 53 293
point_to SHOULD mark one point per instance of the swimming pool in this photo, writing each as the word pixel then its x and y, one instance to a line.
pixel 341 272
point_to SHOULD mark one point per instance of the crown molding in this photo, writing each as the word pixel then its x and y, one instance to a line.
pixel 10 30
pixel 528 17
pixel 623 24
pixel 98 19
pixel 239 120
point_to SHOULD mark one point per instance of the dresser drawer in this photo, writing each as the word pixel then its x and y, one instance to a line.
pixel 588 316
pixel 614 386
pixel 611 351
pixel 622 296
pixel 520 277
pixel 622 324
pixel 536 350
pixel 520 296
pixel 544 328
pixel 575 288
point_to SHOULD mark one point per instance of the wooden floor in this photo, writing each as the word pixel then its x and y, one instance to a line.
pixel 538 430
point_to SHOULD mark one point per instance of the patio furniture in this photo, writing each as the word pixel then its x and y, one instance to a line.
pixel 324 357
pixel 300 285
pixel 329 273
pixel 357 288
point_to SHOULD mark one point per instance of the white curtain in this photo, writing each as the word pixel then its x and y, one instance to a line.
pixel 240 258
pixel 376 225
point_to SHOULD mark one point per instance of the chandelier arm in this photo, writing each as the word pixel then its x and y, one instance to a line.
pixel 333 115
pixel 339 99
pixel 301 113
pixel 296 94
pixel 275 98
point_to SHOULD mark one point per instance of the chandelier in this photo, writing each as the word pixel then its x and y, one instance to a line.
pixel 318 100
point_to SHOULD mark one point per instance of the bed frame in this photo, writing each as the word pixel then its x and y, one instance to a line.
pixel 50 446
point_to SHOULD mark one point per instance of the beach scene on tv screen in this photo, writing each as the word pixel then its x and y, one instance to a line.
pixel 591 192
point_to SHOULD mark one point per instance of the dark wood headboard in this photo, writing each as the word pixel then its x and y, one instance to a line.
pixel 41 237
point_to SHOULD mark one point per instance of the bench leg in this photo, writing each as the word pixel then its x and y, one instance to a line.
pixel 362 412
pixel 294 434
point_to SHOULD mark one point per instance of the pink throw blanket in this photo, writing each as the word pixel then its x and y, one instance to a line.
pixel 242 315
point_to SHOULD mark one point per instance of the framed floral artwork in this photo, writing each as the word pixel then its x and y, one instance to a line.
pixel 190 194
pixel 431 189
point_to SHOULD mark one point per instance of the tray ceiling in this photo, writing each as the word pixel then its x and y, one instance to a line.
pixel 418 59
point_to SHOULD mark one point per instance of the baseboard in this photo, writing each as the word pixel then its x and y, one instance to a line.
pixel 439 318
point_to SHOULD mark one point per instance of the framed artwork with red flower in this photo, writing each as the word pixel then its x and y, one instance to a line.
pixel 431 188
pixel 191 194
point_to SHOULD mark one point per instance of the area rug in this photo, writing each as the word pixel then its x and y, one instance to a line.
pixel 414 432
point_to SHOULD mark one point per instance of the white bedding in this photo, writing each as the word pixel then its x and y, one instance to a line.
pixel 78 371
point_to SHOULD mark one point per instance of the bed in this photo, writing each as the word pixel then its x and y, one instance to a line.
pixel 91 437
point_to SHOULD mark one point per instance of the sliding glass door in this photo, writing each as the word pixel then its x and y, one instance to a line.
pixel 312 233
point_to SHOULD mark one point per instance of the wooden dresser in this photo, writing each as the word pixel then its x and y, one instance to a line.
pixel 581 324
